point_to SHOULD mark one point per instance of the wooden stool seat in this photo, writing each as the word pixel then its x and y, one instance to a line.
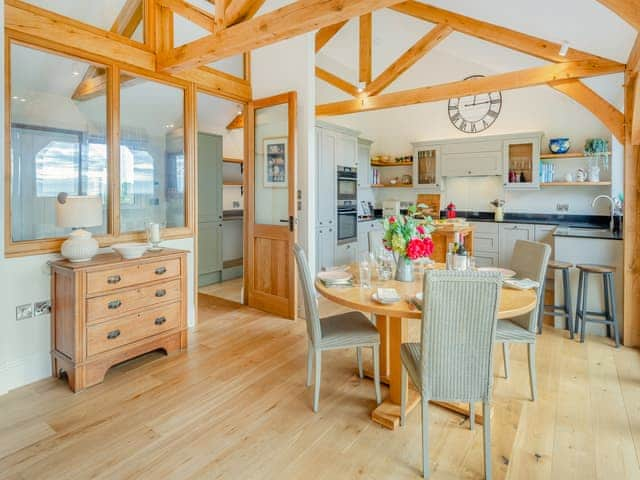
pixel 596 268
pixel 558 265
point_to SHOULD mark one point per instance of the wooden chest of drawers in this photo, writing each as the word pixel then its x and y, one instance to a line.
pixel 109 310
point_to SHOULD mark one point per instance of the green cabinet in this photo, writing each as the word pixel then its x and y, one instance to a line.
pixel 209 175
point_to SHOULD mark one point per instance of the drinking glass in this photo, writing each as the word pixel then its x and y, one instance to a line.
pixel 365 275
pixel 471 263
pixel 385 265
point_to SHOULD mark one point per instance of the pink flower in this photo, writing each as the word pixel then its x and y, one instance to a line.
pixel 392 219
pixel 421 230
pixel 416 249
pixel 428 246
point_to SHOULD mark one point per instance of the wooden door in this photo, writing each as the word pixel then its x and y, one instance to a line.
pixel 271 205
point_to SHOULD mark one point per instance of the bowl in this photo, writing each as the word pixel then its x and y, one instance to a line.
pixel 559 145
pixel 129 251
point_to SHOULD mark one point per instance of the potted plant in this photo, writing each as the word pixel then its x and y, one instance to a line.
pixel 409 240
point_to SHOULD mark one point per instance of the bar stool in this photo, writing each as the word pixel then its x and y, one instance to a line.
pixel 563 310
pixel 608 317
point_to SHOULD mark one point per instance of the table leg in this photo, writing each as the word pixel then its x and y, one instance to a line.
pixel 382 323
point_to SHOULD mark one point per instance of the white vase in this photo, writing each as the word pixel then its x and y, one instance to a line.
pixel 79 247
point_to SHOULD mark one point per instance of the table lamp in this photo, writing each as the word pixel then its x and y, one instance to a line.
pixel 79 212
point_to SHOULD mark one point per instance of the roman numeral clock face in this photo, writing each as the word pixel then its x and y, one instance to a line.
pixel 475 113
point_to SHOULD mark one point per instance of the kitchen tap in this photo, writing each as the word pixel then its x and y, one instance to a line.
pixel 613 207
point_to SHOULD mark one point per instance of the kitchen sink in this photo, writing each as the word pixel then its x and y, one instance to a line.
pixel 594 232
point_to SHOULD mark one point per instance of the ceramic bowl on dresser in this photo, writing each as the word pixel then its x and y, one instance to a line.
pixel 129 251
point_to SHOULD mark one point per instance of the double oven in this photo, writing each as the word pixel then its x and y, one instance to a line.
pixel 347 189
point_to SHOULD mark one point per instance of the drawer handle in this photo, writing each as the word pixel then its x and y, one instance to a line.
pixel 161 293
pixel 114 279
pixel 161 270
pixel 113 334
pixel 160 320
pixel 114 304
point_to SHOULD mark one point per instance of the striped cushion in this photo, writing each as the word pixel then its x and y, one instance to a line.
pixel 508 331
pixel 348 330
pixel 410 355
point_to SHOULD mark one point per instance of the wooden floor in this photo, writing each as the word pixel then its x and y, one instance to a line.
pixel 230 290
pixel 235 407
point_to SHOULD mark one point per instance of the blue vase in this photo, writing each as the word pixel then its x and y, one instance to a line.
pixel 559 145
pixel 404 269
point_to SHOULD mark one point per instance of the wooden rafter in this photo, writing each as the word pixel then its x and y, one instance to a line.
pixel 633 64
pixel 366 40
pixel 327 33
pixel 505 81
pixel 125 24
pixel 240 10
pixel 236 123
pixel 221 7
pixel 300 17
pixel 603 110
pixel 336 81
pixel 408 58
pixel 187 10
pixel 628 10
pixel 164 28
pixel 489 32
pixel 634 123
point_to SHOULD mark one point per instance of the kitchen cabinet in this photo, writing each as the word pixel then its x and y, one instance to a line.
pixel 510 233
pixel 346 150
pixel 469 159
pixel 346 253
pixel 209 253
pixel 326 177
pixel 486 244
pixel 522 159
pixel 325 247
pixel 426 167
pixel 544 234
pixel 364 163
pixel 363 233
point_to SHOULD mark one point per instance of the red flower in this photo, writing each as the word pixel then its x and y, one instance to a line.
pixel 428 246
pixel 416 249
pixel 392 219
pixel 421 230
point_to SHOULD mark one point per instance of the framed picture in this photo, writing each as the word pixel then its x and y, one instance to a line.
pixel 275 162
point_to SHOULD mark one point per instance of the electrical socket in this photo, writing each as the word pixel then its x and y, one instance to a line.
pixel 24 311
pixel 562 207
pixel 42 308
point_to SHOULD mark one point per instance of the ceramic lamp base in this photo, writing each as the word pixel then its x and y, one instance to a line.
pixel 79 247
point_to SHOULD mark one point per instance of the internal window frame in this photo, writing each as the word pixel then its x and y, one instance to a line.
pixel 113 69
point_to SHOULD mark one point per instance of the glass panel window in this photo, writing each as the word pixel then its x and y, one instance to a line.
pixel 151 154
pixel 57 140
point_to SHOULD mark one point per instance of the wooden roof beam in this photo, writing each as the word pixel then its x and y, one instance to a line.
pixel 633 64
pixel 506 81
pixel 408 58
pixel 187 10
pixel 327 33
pixel 603 110
pixel 337 82
pixel 295 19
pixel 489 32
pixel 628 10
pixel 365 54
pixel 240 10
pixel 236 123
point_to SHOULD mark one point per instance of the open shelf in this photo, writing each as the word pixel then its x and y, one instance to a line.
pixel 560 156
pixel 391 164
pixel 233 160
pixel 389 185
pixel 575 184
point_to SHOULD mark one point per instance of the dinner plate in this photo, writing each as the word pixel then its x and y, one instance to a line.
pixel 506 273
pixel 375 298
pixel 335 276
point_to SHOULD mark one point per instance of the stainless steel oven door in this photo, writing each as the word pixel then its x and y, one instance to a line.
pixel 347 189
pixel 347 226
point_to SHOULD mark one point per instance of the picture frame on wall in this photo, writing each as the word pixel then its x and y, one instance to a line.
pixel 276 158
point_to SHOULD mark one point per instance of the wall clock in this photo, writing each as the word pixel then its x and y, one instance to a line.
pixel 475 113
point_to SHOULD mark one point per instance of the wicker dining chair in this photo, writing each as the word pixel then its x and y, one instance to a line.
pixel 529 260
pixel 454 360
pixel 346 330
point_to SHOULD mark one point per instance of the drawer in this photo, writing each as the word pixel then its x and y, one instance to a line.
pixel 128 276
pixel 130 328
pixel 116 304
pixel 485 243
pixel 490 228
pixel 486 259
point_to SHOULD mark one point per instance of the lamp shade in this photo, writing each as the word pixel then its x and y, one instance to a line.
pixel 79 212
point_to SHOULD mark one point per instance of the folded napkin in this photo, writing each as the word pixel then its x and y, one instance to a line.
pixel 388 295
pixel 521 283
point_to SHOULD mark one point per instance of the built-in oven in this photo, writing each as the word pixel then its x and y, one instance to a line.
pixel 347 222
pixel 348 184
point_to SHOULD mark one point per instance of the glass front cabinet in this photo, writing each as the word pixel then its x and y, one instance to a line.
pixel 522 163
pixel 427 167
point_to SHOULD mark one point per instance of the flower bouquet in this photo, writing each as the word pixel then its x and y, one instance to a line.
pixel 408 240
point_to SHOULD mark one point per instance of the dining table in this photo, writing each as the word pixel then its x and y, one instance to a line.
pixel 392 322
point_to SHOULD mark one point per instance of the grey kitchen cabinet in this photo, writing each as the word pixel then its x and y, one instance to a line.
pixel 510 233
pixel 486 259
pixel 210 181
pixel 364 163
pixel 346 150
pixel 486 245
pixel 466 158
pixel 346 253
pixel 325 247
pixel 326 178
pixel 522 156
pixel 427 164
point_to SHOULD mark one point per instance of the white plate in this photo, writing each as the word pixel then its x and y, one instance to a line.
pixel 335 276
pixel 375 298
pixel 506 273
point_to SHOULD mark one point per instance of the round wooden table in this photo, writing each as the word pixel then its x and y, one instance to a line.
pixel 392 320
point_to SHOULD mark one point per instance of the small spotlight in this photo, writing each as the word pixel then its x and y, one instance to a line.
pixel 361 86
pixel 169 125
pixel 564 48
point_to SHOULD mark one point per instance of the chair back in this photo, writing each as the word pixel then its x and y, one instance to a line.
pixel 530 260
pixel 309 293
pixel 375 240
pixel 458 333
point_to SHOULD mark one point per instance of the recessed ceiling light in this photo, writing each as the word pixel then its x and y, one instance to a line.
pixel 564 48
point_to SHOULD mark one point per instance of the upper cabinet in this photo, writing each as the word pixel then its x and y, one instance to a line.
pixel 426 167
pixel 521 162
pixel 472 159
pixel 346 150
pixel 364 166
